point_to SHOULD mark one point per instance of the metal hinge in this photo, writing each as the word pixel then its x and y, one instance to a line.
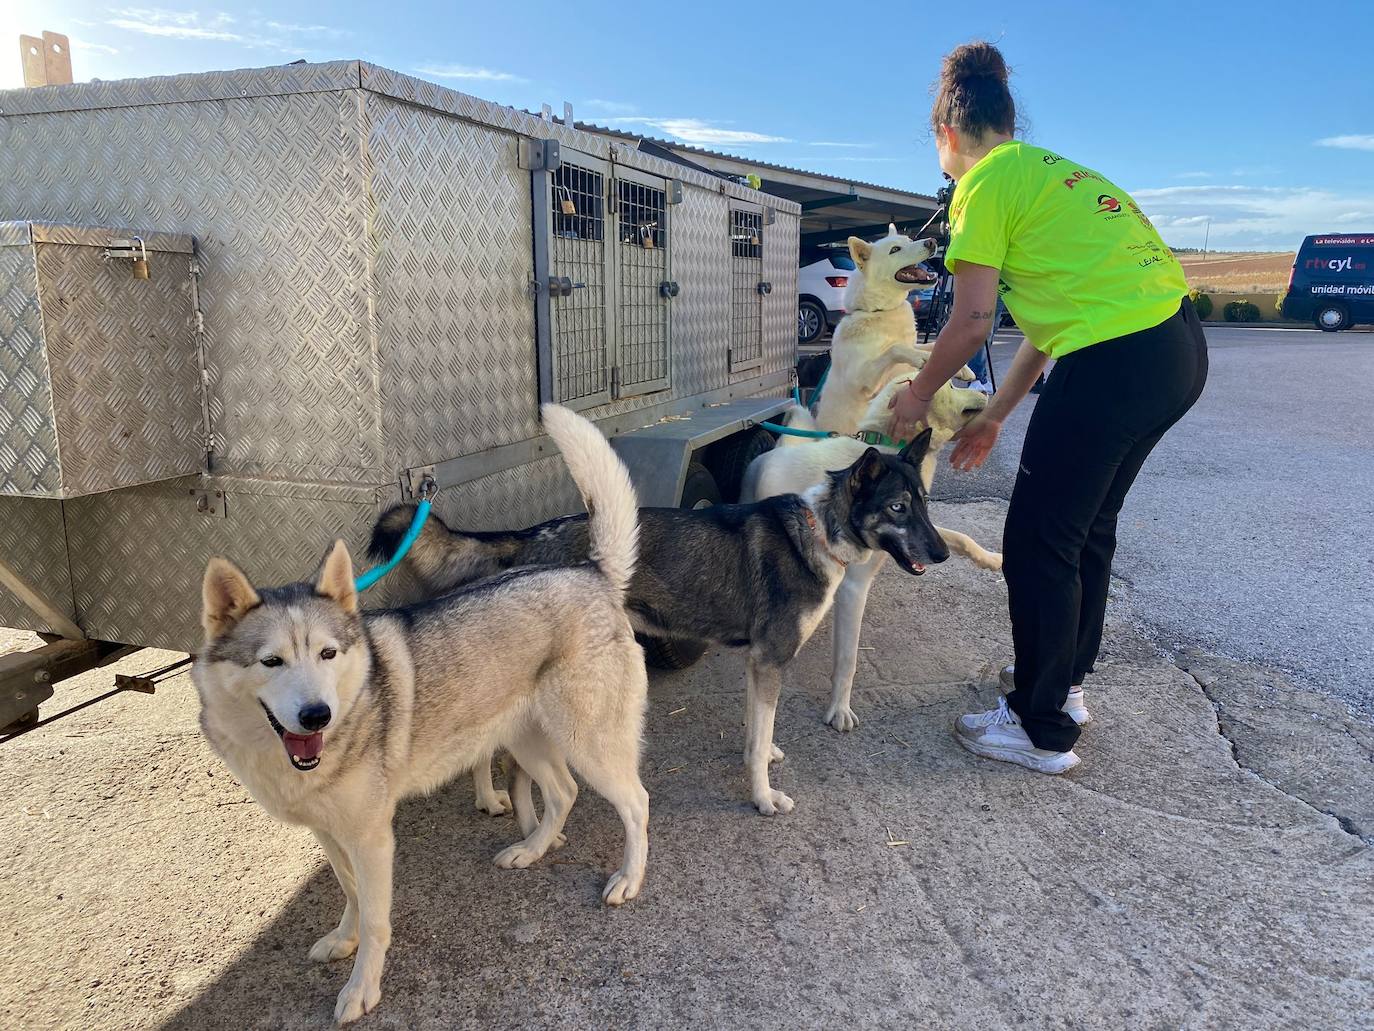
pixel 615 381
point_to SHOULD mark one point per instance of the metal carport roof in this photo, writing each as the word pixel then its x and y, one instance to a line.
pixel 832 208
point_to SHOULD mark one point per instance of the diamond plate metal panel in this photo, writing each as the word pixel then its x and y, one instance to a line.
pixel 33 542
pixel 782 242
pixel 138 555
pixel 28 427
pixel 274 190
pixel 512 498
pixel 122 361
pixel 452 264
pixel 277 80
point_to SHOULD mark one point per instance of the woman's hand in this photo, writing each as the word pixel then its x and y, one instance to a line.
pixel 907 410
pixel 974 441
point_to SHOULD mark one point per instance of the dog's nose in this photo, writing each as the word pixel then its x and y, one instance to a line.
pixel 315 716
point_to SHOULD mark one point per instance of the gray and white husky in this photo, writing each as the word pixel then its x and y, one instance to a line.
pixel 758 576
pixel 330 716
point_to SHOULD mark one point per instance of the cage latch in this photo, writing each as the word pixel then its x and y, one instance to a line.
pixel 765 288
pixel 562 286
pixel 668 289
pixel 130 250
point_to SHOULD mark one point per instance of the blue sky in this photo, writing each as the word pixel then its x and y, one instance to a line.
pixel 1259 116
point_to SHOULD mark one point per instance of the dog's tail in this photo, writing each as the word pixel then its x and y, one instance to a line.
pixel 438 560
pixel 608 493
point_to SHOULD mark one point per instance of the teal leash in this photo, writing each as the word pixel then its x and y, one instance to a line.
pixel 371 576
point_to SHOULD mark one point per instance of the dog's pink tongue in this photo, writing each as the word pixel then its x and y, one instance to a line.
pixel 303 746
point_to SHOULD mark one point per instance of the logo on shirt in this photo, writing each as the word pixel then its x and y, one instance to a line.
pixel 1107 204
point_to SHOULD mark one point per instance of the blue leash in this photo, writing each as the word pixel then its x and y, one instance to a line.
pixel 367 579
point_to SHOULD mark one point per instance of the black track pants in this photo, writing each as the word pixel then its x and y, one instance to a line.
pixel 1100 414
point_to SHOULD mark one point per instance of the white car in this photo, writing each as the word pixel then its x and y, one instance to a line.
pixel 821 281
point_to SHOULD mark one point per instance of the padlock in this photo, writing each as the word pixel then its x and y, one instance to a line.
pixel 565 201
pixel 646 237
pixel 753 241
pixel 141 268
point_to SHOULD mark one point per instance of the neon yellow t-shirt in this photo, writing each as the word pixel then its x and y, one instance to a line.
pixel 1079 261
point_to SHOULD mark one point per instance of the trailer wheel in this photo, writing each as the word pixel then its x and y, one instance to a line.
pixel 733 459
pixel 698 491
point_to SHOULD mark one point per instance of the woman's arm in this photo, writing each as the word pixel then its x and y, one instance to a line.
pixel 1025 369
pixel 975 304
pixel 974 441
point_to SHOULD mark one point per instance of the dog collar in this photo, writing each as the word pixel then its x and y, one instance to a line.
pixel 875 439
pixel 825 547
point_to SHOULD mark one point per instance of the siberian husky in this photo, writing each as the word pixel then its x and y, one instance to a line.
pixel 330 716
pixel 758 576
pixel 787 470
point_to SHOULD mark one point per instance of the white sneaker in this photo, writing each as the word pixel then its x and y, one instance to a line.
pixel 998 735
pixel 1074 706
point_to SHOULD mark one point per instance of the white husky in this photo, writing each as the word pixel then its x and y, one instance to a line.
pixel 330 716
pixel 872 356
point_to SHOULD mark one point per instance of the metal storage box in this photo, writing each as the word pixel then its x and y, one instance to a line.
pixel 99 382
pixel 390 282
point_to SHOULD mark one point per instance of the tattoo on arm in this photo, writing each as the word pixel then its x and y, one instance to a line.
pixel 983 315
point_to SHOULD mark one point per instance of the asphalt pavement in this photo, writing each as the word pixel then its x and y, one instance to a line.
pixel 1248 531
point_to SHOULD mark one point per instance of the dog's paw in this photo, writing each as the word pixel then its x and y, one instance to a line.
pixel 622 887
pixel 773 802
pixel 559 840
pixel 334 945
pixel 776 756
pixel 842 718
pixel 517 857
pixel 497 805
pixel 360 996
pixel 990 560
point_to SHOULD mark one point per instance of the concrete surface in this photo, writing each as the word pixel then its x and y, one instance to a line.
pixel 1183 877
pixel 1248 532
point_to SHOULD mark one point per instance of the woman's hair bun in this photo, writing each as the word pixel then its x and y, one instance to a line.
pixel 974 61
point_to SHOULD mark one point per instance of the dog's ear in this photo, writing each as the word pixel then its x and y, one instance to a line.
pixel 226 597
pixel 860 251
pixel 892 229
pixel 335 578
pixel 867 470
pixel 915 451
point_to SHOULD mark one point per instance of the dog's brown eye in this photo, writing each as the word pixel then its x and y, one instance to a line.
pixel 271 661
pixel 329 653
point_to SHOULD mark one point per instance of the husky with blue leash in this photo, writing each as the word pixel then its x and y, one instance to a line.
pixel 330 716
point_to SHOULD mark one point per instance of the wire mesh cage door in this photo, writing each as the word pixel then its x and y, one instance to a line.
pixel 644 286
pixel 574 279
pixel 746 287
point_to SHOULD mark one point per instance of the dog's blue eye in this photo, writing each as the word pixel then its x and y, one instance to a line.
pixel 329 653
pixel 272 660
pixel 895 249
pixel 897 507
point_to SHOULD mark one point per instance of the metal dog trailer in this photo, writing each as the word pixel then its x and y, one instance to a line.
pixel 243 312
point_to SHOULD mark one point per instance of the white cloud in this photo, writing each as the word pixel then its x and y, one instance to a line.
pixel 156 21
pixel 1353 142
pixel 463 71
pixel 610 107
pixel 97 48
pixel 703 134
pixel 1242 217
pixel 850 157
pixel 306 30
pixel 193 25
pixel 831 143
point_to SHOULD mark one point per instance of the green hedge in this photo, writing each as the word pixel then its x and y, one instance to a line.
pixel 1241 311
pixel 1202 303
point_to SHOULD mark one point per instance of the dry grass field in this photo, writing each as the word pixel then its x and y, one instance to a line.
pixel 1221 272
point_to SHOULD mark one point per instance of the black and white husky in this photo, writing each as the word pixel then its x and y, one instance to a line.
pixel 758 576
pixel 330 716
